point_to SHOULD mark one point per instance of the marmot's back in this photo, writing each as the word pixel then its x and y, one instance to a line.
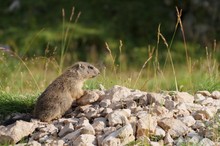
pixel 59 95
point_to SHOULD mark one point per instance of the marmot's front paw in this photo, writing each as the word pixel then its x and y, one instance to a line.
pixel 88 98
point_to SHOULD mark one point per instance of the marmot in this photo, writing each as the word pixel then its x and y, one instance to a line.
pixel 59 95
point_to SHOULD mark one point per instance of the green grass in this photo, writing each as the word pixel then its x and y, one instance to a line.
pixel 15 103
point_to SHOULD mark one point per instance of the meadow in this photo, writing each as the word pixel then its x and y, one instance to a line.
pixel 168 64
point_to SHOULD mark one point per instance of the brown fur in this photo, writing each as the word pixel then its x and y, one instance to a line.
pixel 59 95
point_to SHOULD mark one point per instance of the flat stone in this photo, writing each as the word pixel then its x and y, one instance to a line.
pixel 124 134
pixel 175 127
pixel 204 93
pixel 169 104
pixel 206 142
pixel 66 129
pixel 216 95
pixel 85 140
pixel 199 98
pixel 205 113
pixel 188 120
pixel 183 97
pixel 156 98
pixel 72 136
pixel 168 139
pixel 99 124
pixel 119 117
pixel 146 126
pixel 117 93
pixel 105 103
pixel 159 131
pixel 82 122
pixel 15 132
pixel 159 110
pixel 88 129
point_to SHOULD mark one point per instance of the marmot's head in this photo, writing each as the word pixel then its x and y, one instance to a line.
pixel 84 70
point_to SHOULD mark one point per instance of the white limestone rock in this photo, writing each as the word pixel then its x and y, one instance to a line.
pixel 175 127
pixel 124 134
pixel 66 129
pixel 15 132
pixel 146 126
pixel 119 117
pixel 216 95
pixel 183 97
pixel 85 140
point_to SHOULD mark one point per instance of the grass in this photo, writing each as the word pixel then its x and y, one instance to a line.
pixel 23 79
pixel 15 103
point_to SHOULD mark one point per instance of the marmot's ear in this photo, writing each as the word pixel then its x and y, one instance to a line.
pixel 80 65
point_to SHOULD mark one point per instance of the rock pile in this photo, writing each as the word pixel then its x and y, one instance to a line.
pixel 122 116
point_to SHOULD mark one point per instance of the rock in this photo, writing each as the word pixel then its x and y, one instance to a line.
pixel 192 133
pixel 112 142
pixel 99 124
pixel 132 121
pixel 15 132
pixel 88 129
pixel 34 143
pixel 83 108
pixel 49 128
pixel 205 113
pixel 117 105
pixel 216 95
pixel 159 110
pixel 194 140
pixel 91 113
pixel 38 135
pixel 43 139
pixel 199 98
pixel 82 122
pixel 72 136
pixel 119 117
pixel 85 140
pixel 146 126
pixel 66 121
pixel 159 131
pixel 181 110
pixel 117 93
pixel 180 141
pixel 168 139
pixel 169 104
pixel 206 142
pixel 105 103
pixel 175 127
pixel 183 97
pixel 193 107
pixel 198 125
pixel 109 130
pixel 106 111
pixel 131 104
pixel 124 134
pixel 207 101
pixel 155 98
pixel 88 98
pixel 143 114
pixel 188 120
pixel 152 143
pixel 143 100
pixel 204 93
pixel 66 129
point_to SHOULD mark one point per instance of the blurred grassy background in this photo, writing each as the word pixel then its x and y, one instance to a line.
pixel 33 36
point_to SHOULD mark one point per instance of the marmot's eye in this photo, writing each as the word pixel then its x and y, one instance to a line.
pixel 90 67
